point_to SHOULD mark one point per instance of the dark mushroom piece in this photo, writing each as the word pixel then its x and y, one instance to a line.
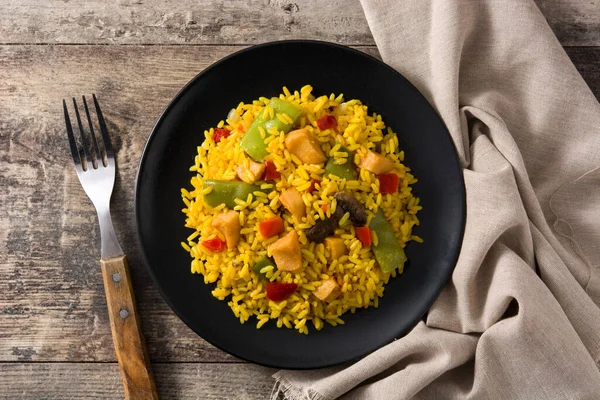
pixel 349 204
pixel 324 227
pixel 345 204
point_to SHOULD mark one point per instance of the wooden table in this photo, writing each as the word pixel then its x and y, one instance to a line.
pixel 55 339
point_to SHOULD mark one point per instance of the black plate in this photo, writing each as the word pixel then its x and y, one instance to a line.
pixel 262 71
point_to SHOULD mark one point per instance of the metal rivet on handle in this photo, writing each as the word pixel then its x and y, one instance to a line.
pixel 123 313
pixel 116 277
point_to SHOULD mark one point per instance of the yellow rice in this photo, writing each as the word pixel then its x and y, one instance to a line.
pixel 359 277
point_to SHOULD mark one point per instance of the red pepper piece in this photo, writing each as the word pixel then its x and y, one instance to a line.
pixel 271 227
pixel 220 133
pixel 327 122
pixel 388 183
pixel 215 245
pixel 313 186
pixel 279 291
pixel 363 233
pixel 271 172
pixel 324 207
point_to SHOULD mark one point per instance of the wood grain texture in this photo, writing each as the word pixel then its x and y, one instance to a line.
pixel 182 22
pixel 52 305
pixel 587 61
pixel 130 348
pixel 575 22
pixel 101 381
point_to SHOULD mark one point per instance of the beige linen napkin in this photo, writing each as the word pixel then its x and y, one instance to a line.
pixel 520 318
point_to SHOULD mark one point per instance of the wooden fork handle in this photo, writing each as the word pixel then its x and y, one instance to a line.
pixel 136 371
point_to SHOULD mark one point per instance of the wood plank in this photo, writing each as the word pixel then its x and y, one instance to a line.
pixel 587 61
pixel 52 305
pixel 101 381
pixel 182 22
pixel 575 22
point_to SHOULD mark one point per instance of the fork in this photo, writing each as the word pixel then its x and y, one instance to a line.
pixel 96 172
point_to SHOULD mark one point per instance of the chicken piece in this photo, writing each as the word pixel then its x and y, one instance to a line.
pixel 286 252
pixel 228 223
pixel 304 146
pixel 376 163
pixel 336 246
pixel 328 290
pixel 292 201
pixel 251 174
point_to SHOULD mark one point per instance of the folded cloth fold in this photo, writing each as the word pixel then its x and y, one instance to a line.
pixel 520 318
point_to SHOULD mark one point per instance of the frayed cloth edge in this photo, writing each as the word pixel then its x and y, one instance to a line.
pixel 283 389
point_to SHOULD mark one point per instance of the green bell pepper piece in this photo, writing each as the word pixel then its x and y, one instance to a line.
pixel 263 262
pixel 388 252
pixel 227 191
pixel 252 143
pixel 344 171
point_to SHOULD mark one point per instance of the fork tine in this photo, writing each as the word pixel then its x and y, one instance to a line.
pixel 72 142
pixel 98 155
pixel 84 143
pixel 105 138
